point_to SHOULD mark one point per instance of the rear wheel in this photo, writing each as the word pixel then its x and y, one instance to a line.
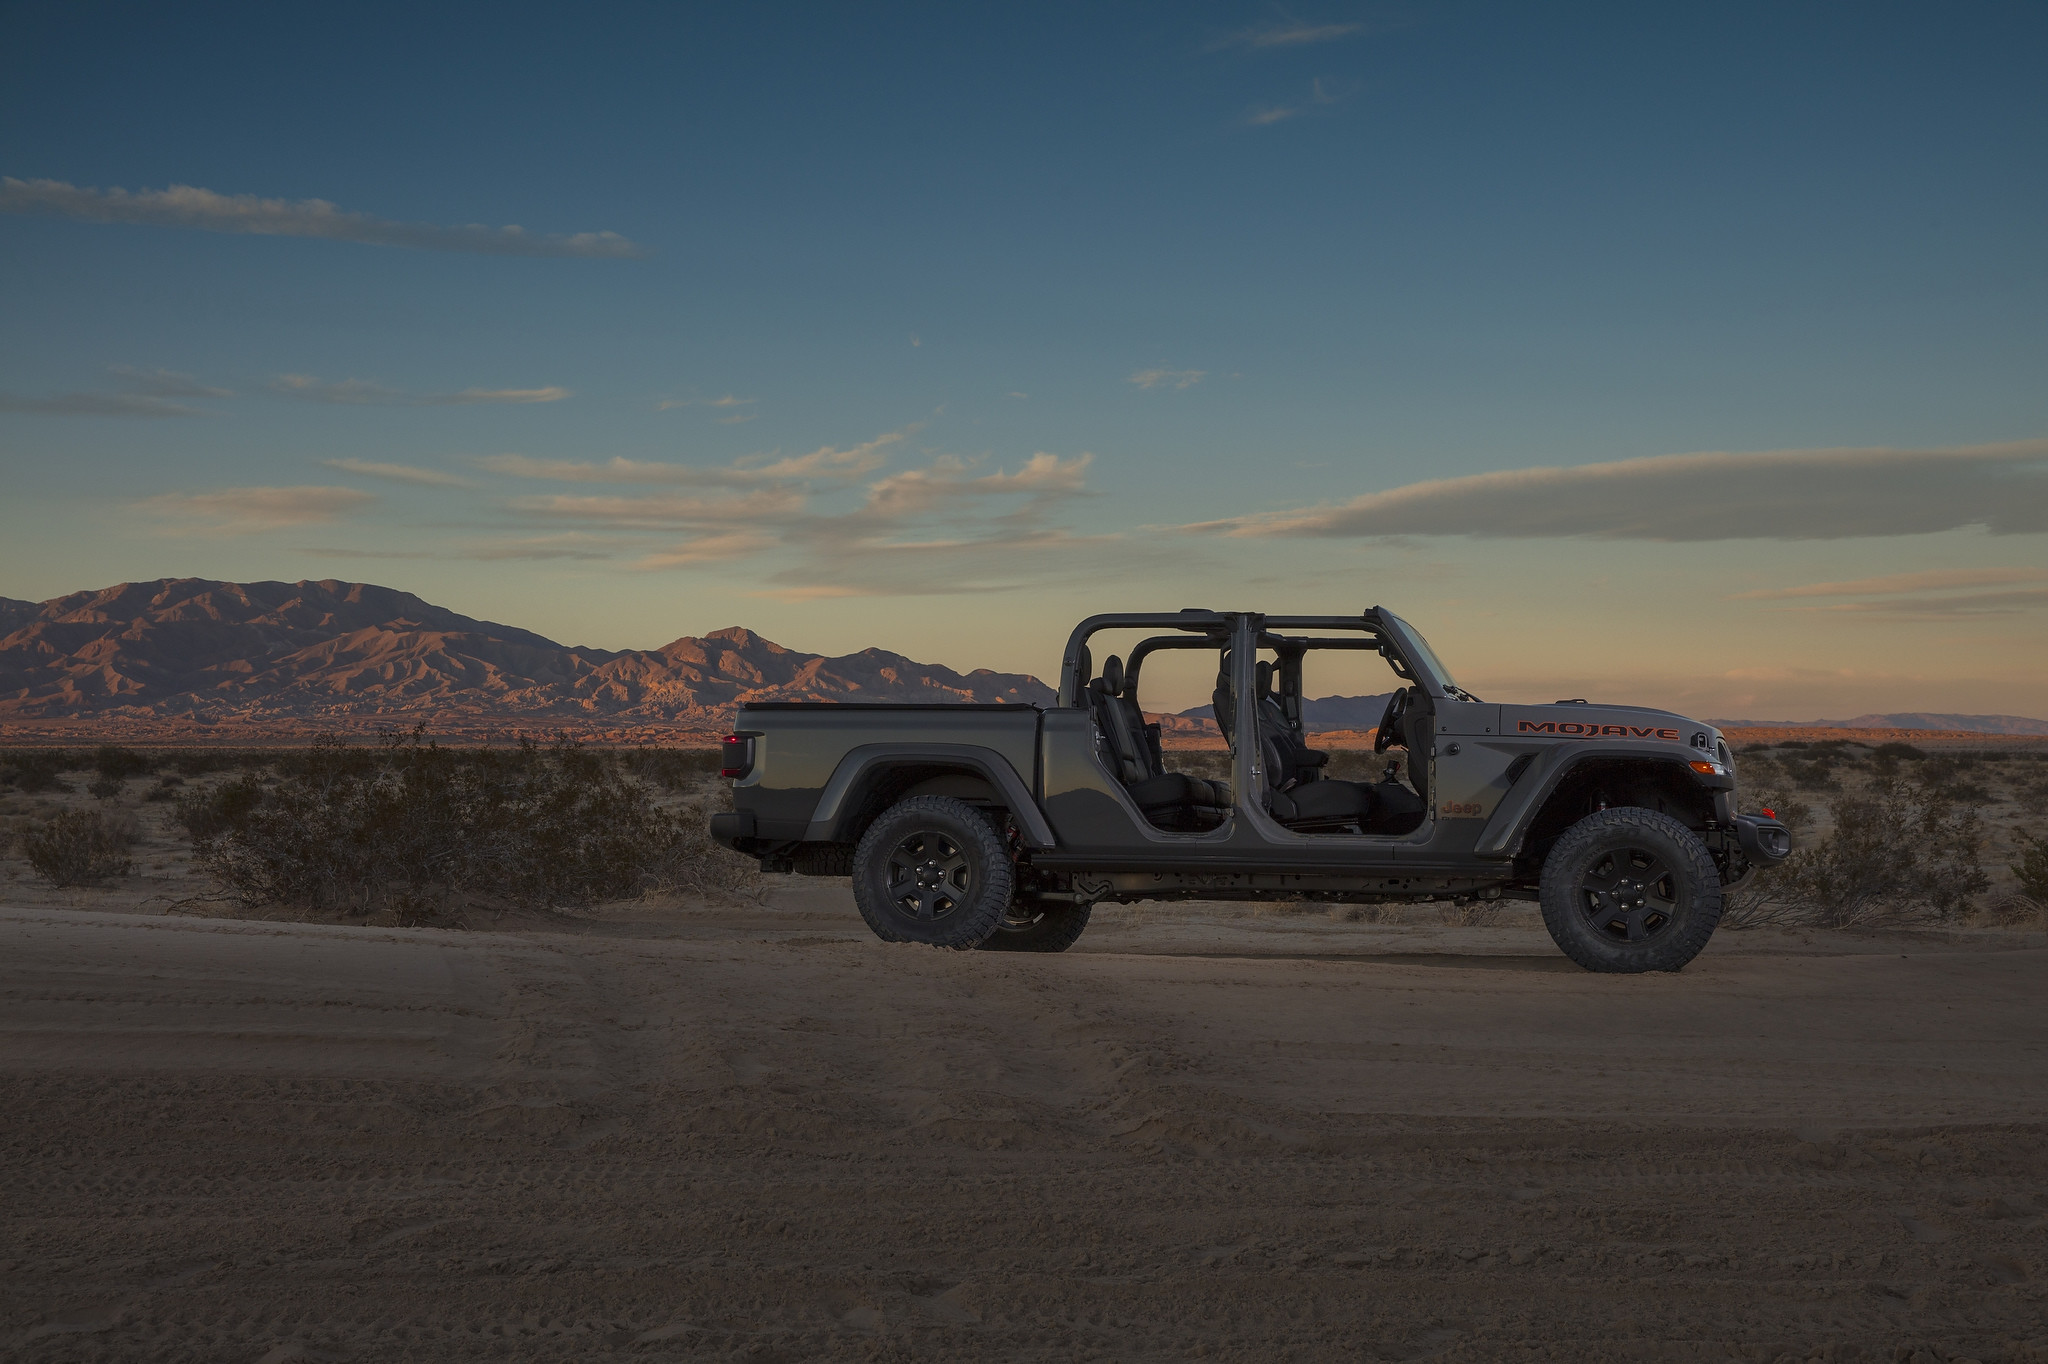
pixel 1629 889
pixel 1038 926
pixel 931 870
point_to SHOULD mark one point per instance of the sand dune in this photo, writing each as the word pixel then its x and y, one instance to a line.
pixel 756 1133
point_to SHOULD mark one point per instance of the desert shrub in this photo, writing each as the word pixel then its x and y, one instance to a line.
pixel 201 762
pixel 417 828
pixel 105 787
pixel 672 769
pixel 2031 871
pixel 1898 851
pixel 78 847
pixel 111 760
pixel 35 769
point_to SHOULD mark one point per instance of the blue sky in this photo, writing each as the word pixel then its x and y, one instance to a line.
pixel 937 327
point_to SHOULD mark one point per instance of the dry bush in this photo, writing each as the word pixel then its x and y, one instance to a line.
pixel 79 847
pixel 30 770
pixel 2031 871
pixel 111 760
pixel 420 830
pixel 1899 852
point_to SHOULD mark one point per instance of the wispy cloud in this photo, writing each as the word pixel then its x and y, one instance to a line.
pixel 1293 35
pixel 1167 378
pixel 1269 115
pixel 244 510
pixel 1942 607
pixel 665 511
pixel 1928 595
pixel 145 393
pixel 567 545
pixel 365 393
pixel 398 473
pixel 1766 495
pixel 191 207
pixel 829 462
pixel 1933 580
pixel 718 548
pixel 728 401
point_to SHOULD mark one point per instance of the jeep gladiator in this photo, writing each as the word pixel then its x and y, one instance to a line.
pixel 1000 826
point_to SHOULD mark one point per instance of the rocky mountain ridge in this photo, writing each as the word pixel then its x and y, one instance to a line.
pixel 182 653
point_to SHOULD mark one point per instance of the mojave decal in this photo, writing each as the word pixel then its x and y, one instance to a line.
pixel 1594 731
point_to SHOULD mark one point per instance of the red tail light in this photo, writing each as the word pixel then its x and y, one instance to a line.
pixel 736 755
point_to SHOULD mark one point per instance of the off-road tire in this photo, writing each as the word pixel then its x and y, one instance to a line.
pixel 1666 899
pixel 931 870
pixel 1038 926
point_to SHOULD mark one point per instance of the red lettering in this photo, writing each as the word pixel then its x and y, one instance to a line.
pixel 1532 727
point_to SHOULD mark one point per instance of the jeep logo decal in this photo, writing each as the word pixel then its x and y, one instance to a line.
pixel 1594 731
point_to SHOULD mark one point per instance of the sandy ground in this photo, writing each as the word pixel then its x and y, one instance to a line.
pixel 755 1133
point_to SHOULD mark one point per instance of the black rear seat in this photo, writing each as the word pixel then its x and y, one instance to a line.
pixel 1165 797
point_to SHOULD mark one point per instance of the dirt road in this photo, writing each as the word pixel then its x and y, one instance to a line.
pixel 758 1134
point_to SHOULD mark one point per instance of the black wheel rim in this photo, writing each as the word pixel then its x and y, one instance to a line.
pixel 1630 895
pixel 929 875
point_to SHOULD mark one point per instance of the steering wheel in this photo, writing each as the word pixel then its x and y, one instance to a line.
pixel 1390 723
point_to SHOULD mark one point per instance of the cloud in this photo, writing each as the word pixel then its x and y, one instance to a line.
pixel 242 510
pixel 1168 378
pixel 98 405
pixel 752 471
pixel 1926 596
pixel 656 512
pixel 950 480
pixel 1898 583
pixel 728 401
pixel 190 207
pixel 953 525
pixel 568 545
pixel 1261 118
pixel 148 393
pixel 398 473
pixel 707 549
pixel 1937 608
pixel 166 383
pixel 1293 35
pixel 1766 495
pixel 364 393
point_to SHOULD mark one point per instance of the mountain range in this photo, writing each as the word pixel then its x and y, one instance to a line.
pixel 1909 719
pixel 190 658
pixel 184 655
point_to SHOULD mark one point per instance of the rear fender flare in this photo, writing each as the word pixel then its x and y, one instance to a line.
pixel 1502 837
pixel 839 803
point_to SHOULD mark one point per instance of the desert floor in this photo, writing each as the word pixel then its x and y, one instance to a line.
pixel 1208 1132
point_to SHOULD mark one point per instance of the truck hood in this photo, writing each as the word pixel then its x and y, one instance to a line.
pixel 1582 721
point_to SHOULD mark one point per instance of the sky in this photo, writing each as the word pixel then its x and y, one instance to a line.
pixel 1692 356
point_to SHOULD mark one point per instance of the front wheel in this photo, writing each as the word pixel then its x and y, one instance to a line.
pixel 1628 889
pixel 931 870
pixel 1038 926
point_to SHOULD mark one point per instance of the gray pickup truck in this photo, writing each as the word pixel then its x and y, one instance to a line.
pixel 1000 826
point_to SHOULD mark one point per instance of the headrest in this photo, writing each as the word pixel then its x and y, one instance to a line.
pixel 1113 674
pixel 1264 678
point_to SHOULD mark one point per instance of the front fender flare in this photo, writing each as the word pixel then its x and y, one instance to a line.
pixel 835 804
pixel 1502 836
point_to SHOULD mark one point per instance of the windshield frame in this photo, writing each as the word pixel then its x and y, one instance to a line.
pixel 1430 669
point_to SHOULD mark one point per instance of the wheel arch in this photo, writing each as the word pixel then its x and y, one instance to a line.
pixel 873 777
pixel 1573 780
